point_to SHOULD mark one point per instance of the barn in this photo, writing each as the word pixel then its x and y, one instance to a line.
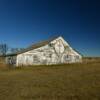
pixel 52 51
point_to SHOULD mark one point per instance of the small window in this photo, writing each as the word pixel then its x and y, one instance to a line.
pixel 35 58
pixel 67 57
pixel 77 57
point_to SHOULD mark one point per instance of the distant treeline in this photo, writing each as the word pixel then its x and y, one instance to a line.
pixel 91 59
pixel 5 49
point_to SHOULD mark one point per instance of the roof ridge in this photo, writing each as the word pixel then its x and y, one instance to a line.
pixel 35 45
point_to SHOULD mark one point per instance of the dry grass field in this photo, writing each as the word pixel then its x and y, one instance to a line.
pixel 56 82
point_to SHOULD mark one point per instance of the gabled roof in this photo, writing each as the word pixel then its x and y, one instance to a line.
pixel 34 46
pixel 37 45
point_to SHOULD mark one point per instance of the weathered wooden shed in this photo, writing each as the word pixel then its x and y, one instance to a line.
pixel 52 51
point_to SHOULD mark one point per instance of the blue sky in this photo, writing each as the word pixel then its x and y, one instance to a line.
pixel 24 22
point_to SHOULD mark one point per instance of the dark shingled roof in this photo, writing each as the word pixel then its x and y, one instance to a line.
pixel 37 45
pixel 34 46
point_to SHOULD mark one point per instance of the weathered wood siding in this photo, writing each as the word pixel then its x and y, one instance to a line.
pixel 56 52
pixel 11 60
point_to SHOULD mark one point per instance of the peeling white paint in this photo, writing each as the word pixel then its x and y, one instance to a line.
pixel 56 52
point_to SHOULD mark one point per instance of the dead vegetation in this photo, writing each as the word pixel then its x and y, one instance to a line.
pixel 56 82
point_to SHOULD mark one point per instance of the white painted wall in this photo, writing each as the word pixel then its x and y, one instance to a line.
pixel 57 52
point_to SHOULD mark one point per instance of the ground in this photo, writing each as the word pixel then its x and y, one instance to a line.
pixel 56 82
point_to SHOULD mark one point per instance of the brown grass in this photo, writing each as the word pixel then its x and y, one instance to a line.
pixel 57 82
